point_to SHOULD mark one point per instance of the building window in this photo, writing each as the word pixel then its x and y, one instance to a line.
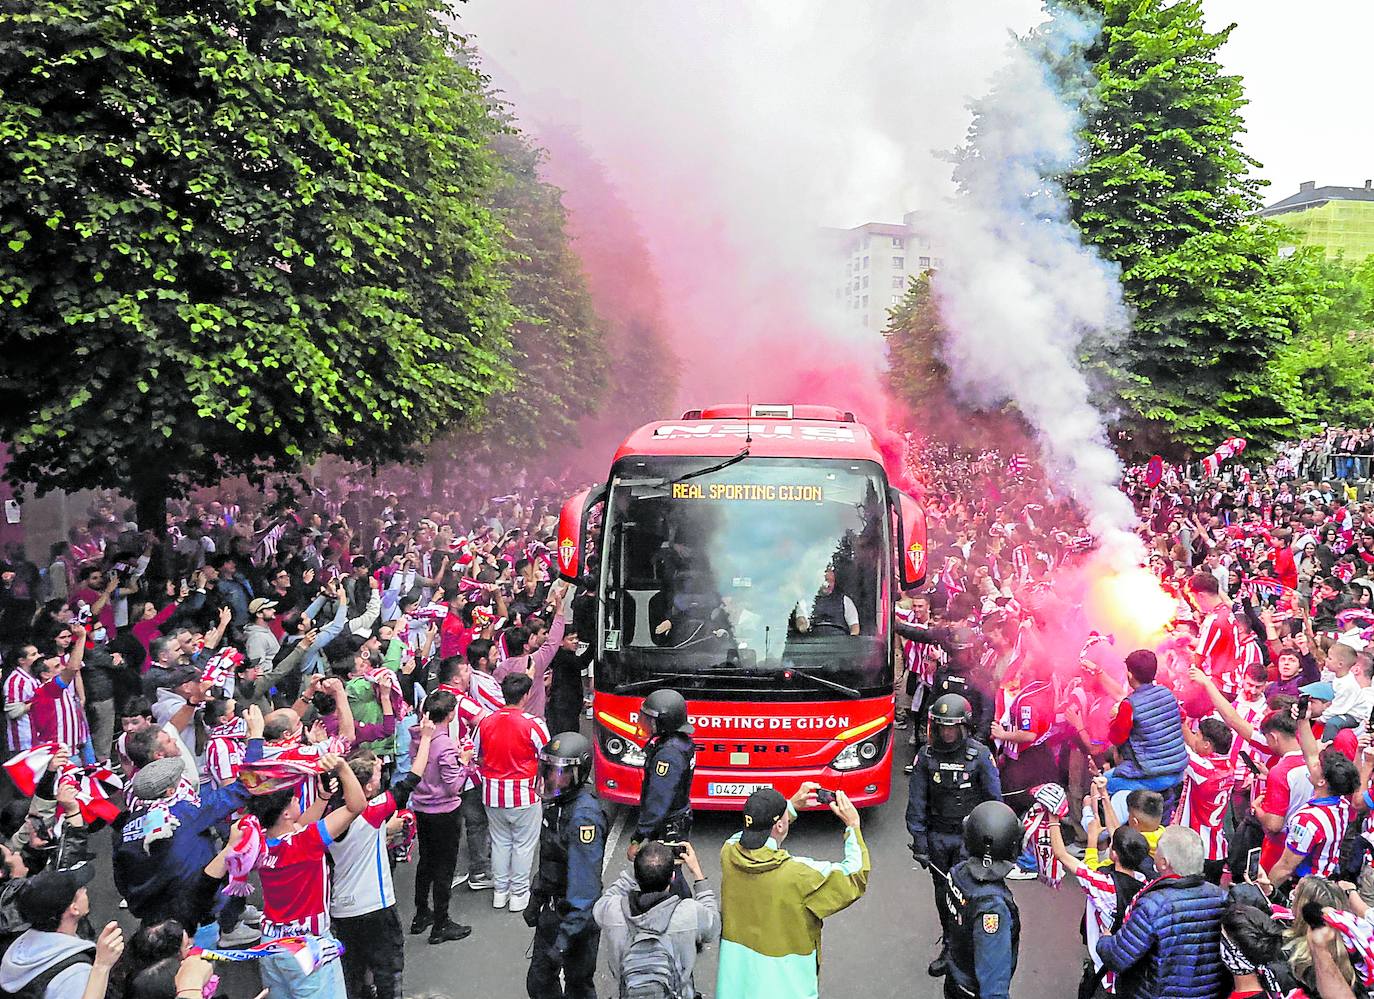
pixel 865 320
pixel 939 262
pixel 896 299
pixel 899 263
pixel 899 282
pixel 898 242
pixel 856 303
pixel 925 261
pixel 865 301
pixel 865 280
pixel 865 263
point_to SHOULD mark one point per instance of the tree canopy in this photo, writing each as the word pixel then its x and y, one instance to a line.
pixel 235 236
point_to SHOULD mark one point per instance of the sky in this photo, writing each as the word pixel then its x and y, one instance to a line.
pixel 896 88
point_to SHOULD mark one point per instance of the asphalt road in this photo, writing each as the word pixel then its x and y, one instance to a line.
pixel 877 948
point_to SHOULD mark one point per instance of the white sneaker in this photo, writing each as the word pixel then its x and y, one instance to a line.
pixel 252 915
pixel 499 899
pixel 123 903
pixel 1017 874
pixel 241 935
pixel 459 878
pixel 519 902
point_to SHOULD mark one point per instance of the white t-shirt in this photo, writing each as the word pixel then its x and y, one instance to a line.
pixel 1347 693
pixel 362 872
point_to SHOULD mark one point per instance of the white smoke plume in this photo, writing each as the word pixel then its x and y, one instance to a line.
pixel 1020 290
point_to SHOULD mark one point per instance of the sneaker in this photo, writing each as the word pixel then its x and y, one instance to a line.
pixel 448 930
pixel 519 902
pixel 252 915
pixel 459 877
pixel 479 882
pixel 899 722
pixel 499 899
pixel 423 920
pixel 1018 874
pixel 241 935
pixel 587 713
pixel 123 903
pixel 908 768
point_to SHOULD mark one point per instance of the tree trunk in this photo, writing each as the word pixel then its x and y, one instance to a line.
pixel 150 496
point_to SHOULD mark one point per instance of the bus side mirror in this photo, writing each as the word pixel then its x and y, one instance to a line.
pixel 911 534
pixel 573 541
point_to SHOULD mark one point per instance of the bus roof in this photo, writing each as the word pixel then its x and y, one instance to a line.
pixel 770 438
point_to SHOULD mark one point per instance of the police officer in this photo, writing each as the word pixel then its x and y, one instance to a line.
pixel 953 774
pixel 665 796
pixel 571 848
pixel 958 671
pixel 987 926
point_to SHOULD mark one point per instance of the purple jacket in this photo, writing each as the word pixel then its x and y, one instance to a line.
pixel 445 773
pixel 540 658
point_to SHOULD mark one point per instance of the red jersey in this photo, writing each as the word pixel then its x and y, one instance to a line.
pixel 56 715
pixel 508 744
pixel 1316 833
pixel 1030 710
pixel 1203 799
pixel 19 689
pixel 295 884
pixel 1216 644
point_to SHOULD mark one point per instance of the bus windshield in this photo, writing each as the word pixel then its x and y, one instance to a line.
pixel 765 575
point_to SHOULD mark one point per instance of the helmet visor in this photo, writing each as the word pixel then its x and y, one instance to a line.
pixel 556 778
pixel 647 724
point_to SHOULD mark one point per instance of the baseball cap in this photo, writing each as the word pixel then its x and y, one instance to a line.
pixel 763 808
pixel 1319 690
pixel 259 604
pixel 47 895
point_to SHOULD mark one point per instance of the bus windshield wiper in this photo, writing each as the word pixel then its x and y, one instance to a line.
pixel 794 671
pixel 718 466
pixel 625 688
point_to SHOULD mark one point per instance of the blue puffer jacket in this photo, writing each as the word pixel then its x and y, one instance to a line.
pixel 1156 746
pixel 1169 945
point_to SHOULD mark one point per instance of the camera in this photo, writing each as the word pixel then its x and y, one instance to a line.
pixel 679 849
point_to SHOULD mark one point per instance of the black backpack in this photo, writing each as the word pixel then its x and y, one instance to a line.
pixel 648 969
pixel 37 986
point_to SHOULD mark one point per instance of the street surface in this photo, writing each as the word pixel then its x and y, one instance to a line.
pixel 877 948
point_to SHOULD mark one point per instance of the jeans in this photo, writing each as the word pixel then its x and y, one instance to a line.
pixel 514 836
pixel 283 979
pixel 438 842
pixel 472 821
pixel 100 714
pixel 372 942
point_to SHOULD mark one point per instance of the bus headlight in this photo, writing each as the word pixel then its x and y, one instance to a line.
pixel 621 750
pixel 860 754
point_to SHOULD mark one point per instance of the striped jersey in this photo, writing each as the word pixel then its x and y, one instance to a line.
pixel 1100 888
pixel 223 757
pixel 1252 713
pixel 463 729
pixel 1203 798
pixel 1216 644
pixel 486 691
pixel 508 744
pixel 57 716
pixel 19 689
pixel 1316 833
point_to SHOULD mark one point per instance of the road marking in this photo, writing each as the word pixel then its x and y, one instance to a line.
pixel 613 838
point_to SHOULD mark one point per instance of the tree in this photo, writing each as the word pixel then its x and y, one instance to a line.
pixel 916 371
pixel 1166 192
pixel 558 346
pixel 235 236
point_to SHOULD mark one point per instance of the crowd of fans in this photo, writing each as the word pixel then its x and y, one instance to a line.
pixel 1211 798
pixel 303 695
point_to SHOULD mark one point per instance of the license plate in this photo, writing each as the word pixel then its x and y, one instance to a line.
pixel 733 790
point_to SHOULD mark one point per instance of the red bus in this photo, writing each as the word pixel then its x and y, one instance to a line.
pixel 745 556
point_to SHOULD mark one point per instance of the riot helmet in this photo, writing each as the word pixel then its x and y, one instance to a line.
pixel 565 764
pixel 664 711
pixel 992 839
pixel 950 711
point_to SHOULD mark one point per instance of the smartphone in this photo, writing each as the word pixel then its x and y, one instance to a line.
pixel 1249 762
pixel 824 796
pixel 1252 861
pixel 678 848
pixel 1304 702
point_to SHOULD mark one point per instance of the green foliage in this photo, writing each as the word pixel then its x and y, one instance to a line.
pixel 558 341
pixel 916 373
pixel 237 235
pixel 1165 191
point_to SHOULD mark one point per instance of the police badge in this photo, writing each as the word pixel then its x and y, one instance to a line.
pixel 991 921
pixel 661 768
pixel 587 834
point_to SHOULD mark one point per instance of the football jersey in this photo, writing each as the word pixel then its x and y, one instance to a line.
pixel 19 689
pixel 1216 644
pixel 295 884
pixel 1316 833
pixel 57 716
pixel 362 871
pixel 1203 798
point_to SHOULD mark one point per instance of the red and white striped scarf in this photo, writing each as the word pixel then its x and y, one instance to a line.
pixel 1050 801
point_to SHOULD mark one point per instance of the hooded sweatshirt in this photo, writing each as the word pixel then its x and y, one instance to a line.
pixel 685 924
pixel 772 905
pixel 34 952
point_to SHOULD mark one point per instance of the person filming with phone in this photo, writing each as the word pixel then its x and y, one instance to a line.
pixel 650 935
pixel 772 904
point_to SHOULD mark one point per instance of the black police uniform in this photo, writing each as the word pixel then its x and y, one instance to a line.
pixel 985 935
pixel 572 844
pixel 947 783
pixel 957 674
pixel 665 796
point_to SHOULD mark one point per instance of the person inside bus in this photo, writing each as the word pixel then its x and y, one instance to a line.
pixel 690 612
pixel 831 611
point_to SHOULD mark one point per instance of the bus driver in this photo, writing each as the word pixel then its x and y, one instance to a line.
pixel 831 610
